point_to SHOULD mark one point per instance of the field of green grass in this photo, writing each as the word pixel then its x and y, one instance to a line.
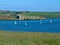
pixel 45 14
pixel 29 38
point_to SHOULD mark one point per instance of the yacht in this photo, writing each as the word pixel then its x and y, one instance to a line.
pixel 15 22
pixel 40 22
pixel 26 23
pixel 50 21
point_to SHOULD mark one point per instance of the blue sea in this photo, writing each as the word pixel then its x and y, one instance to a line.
pixel 46 25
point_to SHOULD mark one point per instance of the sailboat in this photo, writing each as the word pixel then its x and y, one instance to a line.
pixel 50 21
pixel 26 23
pixel 40 22
pixel 15 22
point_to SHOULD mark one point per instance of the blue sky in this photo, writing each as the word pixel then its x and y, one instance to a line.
pixel 30 5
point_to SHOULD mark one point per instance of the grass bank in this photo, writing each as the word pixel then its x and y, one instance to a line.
pixel 44 14
pixel 29 38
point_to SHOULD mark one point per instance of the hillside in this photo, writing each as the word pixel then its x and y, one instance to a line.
pixel 12 15
pixel 45 14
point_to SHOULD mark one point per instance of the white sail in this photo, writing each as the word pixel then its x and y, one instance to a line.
pixel 40 22
pixel 26 23
pixel 15 22
pixel 50 21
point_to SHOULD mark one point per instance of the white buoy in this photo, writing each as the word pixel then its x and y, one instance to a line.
pixel 15 22
pixel 40 22
pixel 26 23
pixel 50 21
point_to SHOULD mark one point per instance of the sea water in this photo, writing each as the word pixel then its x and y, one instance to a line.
pixel 46 25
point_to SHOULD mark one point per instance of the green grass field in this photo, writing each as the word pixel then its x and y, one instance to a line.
pixel 29 38
pixel 45 14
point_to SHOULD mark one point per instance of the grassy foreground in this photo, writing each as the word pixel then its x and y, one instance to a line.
pixel 29 38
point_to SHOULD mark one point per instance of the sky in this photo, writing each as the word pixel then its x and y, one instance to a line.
pixel 30 5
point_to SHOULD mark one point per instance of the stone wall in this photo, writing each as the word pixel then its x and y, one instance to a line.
pixel 22 17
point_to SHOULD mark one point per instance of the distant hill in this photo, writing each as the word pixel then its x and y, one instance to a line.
pixel 45 14
pixel 29 13
pixel 7 12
